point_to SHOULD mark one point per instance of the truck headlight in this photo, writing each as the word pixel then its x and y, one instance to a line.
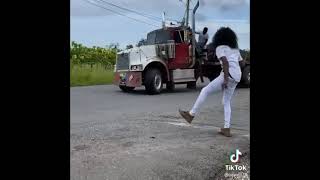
pixel 136 67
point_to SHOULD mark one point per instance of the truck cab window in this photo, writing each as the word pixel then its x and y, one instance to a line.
pixel 178 36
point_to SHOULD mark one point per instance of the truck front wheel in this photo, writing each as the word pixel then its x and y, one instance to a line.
pixel 153 81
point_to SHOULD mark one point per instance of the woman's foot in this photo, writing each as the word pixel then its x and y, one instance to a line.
pixel 225 132
pixel 186 115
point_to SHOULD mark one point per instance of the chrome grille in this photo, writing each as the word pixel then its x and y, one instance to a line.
pixel 123 61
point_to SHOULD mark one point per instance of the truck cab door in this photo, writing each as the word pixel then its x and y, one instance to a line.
pixel 181 59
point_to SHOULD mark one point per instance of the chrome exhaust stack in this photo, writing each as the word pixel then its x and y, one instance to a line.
pixel 193 34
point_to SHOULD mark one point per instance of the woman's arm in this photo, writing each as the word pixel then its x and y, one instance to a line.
pixel 225 66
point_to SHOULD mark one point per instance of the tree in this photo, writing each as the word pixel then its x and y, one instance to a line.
pixel 141 42
pixel 245 54
pixel 82 55
pixel 129 46
pixel 112 46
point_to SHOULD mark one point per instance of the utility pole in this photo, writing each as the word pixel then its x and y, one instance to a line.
pixel 187 12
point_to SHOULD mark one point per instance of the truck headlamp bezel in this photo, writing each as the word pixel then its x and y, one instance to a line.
pixel 137 67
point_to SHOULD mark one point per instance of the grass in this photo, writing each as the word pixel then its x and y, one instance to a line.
pixel 85 75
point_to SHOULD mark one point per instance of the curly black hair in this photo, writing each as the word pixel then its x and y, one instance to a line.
pixel 225 36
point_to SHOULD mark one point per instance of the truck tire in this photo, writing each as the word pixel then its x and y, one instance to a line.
pixel 211 78
pixel 153 81
pixel 246 76
pixel 192 85
pixel 170 86
pixel 126 88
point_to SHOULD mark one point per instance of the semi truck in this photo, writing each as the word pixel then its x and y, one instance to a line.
pixel 169 56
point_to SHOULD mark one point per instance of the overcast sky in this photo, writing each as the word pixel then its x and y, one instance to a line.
pixel 95 26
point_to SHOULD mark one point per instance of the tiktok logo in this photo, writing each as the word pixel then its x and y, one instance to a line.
pixel 235 157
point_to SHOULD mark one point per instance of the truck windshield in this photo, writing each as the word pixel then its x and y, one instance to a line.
pixel 158 37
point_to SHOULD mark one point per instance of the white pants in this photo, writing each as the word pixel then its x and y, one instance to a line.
pixel 214 86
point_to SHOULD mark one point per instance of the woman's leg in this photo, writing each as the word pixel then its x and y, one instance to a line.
pixel 226 100
pixel 213 86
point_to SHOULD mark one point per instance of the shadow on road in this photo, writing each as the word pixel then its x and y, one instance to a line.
pixel 165 91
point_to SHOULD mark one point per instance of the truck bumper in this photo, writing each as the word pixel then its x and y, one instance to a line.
pixel 128 78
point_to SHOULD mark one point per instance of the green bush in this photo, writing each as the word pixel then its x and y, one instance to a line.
pixel 91 66
pixel 80 54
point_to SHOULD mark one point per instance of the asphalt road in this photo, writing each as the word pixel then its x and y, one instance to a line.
pixel 116 135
